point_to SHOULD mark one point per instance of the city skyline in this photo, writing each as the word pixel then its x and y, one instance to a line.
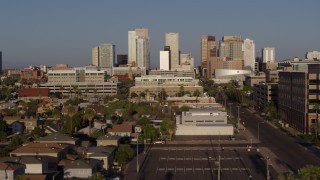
pixel 34 33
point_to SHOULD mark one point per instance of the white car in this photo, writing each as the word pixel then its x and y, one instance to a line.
pixel 159 142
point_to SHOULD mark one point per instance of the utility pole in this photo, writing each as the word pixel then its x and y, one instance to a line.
pixel 268 170
pixel 219 163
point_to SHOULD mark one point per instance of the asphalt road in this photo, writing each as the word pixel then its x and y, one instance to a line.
pixel 294 155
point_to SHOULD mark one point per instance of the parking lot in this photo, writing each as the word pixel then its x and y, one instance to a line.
pixel 202 163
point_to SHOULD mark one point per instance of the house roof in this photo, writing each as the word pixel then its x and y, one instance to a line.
pixel 34 177
pixel 121 128
pixel 101 149
pixel 10 166
pixel 34 92
pixel 41 148
pixel 18 118
pixel 56 137
pixel 65 109
pixel 22 160
pixel 108 137
pixel 82 164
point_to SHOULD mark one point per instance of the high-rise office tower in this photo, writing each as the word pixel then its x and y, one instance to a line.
pixel 122 59
pixel 104 56
pixel 0 62
pixel 139 48
pixel 231 46
pixel 208 49
pixel 268 54
pixel 172 40
pixel 249 53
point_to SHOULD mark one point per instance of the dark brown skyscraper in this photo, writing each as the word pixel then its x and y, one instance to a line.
pixel 208 50
pixel 122 59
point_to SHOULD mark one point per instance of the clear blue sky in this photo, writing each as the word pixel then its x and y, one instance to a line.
pixel 35 32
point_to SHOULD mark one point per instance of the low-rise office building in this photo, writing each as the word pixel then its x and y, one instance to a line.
pixel 204 121
pixel 171 84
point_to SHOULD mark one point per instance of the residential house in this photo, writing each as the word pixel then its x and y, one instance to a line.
pixel 29 123
pixel 33 165
pixel 120 130
pixel 108 140
pixel 10 171
pixel 43 149
pixel 58 137
pixel 81 168
pixel 102 153
pixel 16 127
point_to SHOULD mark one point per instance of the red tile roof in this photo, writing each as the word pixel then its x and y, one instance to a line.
pixel 41 148
pixel 121 128
pixel 34 92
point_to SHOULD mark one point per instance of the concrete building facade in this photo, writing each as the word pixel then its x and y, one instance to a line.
pixel 231 46
pixel 298 95
pixel 313 55
pixel 139 48
pixel 165 60
pixel 208 49
pixel 249 50
pixel 268 54
pixel 104 56
pixel 264 93
pixel 172 40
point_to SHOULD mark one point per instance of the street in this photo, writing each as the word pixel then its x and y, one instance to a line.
pixel 288 151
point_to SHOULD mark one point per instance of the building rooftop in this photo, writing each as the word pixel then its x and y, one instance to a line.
pixel 82 164
pixel 101 149
pixel 121 128
pixel 56 137
pixel 41 148
pixel 108 137
pixel 10 166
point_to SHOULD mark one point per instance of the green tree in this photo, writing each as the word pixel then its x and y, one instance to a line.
pixel 309 172
pixel 37 132
pixel 3 126
pixel 133 95
pixel 16 141
pixel 168 127
pixel 286 176
pixel 143 94
pixel 56 114
pixel 123 154
pixel 196 93
pixel 162 96
pixel 71 112
pixel 89 114
pixel 97 134
pixel 143 121
pixel 184 108
pixel 97 176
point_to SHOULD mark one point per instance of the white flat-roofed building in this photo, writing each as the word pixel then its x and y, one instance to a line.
pixel 313 55
pixel 204 121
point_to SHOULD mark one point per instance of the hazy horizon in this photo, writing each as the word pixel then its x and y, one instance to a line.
pixel 50 32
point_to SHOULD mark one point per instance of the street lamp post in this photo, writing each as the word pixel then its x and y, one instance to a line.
pixel 259 130
pixel 138 130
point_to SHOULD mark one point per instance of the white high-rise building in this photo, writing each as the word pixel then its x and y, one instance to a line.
pixel 165 60
pixel 104 56
pixel 172 40
pixel 139 48
pixel 268 54
pixel 249 53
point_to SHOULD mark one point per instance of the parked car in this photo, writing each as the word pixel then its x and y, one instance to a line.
pixel 159 142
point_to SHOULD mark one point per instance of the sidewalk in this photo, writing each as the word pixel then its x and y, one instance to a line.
pixel 275 162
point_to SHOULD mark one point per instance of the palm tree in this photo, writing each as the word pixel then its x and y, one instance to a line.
pixel 90 113
pixel 56 114
pixel 71 113
pixel 286 176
